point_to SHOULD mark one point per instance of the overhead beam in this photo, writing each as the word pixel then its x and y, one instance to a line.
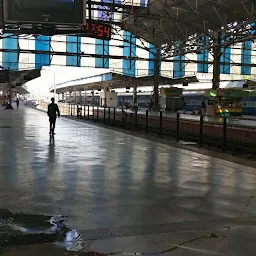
pixel 117 57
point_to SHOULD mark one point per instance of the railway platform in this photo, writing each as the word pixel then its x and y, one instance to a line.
pixel 123 193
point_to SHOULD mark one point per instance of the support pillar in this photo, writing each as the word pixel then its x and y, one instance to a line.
pixel 9 94
pixel 85 97
pixel 75 97
pixel 93 97
pixel 135 99
pixel 80 97
pixel 70 96
pixel 156 79
pixel 105 97
pixel 216 62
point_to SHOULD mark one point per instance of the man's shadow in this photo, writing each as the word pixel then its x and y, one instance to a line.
pixel 51 151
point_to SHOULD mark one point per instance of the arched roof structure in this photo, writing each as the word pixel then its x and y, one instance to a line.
pixel 166 21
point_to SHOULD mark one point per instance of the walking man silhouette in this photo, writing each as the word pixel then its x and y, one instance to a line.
pixel 52 112
pixel 17 103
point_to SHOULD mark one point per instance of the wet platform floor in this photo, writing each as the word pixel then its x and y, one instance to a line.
pixel 106 179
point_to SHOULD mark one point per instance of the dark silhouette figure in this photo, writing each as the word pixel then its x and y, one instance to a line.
pixel 52 112
pixel 17 103
pixel 203 108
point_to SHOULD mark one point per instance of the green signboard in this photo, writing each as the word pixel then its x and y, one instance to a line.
pixel 211 93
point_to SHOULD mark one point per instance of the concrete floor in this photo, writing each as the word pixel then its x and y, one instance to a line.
pixel 106 180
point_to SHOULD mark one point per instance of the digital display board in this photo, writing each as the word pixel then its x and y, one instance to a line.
pixel 45 11
pixel 94 29
pixel 45 4
pixel 97 29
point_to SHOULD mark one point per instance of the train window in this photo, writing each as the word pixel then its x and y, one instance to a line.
pixel 249 104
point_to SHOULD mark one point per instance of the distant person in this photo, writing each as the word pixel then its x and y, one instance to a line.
pixel 203 108
pixel 150 104
pixel 17 103
pixel 52 112
pixel 184 107
pixel 195 110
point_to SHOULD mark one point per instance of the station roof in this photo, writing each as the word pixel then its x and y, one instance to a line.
pixel 18 79
pixel 23 76
pixel 165 21
pixel 21 90
pixel 114 80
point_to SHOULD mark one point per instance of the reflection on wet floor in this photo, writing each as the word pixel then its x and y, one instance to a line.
pixel 102 178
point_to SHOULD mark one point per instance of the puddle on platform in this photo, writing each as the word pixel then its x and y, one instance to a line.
pixel 25 234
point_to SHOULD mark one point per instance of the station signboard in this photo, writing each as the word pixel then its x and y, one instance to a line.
pixel 171 92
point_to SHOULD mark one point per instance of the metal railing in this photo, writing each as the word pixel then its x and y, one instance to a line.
pixel 224 132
